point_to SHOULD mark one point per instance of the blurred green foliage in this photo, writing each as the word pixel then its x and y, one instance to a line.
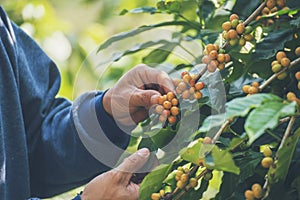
pixel 69 30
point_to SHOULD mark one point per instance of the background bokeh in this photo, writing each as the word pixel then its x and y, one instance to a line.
pixel 69 30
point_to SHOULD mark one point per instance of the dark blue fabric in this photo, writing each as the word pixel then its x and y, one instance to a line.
pixel 78 197
pixel 40 152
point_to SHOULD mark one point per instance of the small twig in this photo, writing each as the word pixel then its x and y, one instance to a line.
pixel 220 131
pixel 286 135
pixel 275 75
pixel 255 13
pixel 200 74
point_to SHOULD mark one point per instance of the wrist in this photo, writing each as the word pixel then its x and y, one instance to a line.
pixel 106 102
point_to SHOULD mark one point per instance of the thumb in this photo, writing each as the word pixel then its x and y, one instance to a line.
pixel 133 163
pixel 143 98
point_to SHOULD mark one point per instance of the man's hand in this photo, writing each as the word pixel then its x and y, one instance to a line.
pixel 132 96
pixel 115 184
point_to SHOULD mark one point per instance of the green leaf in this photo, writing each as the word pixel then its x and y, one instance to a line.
pixel 268 47
pixel 153 181
pixel 267 116
pixel 147 143
pixel 195 153
pixel 221 160
pixel 279 171
pixel 139 30
pixel 215 158
pixel 160 54
pixel 161 137
pixel 145 9
pixel 212 121
pixel 138 47
pixel 240 107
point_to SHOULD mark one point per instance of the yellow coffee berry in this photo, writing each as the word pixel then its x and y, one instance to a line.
pixel 167 104
pixel 257 190
pixel 249 195
pixel 233 16
pixel 207 140
pixel 297 51
pixel 290 96
pixel 280 55
pixel 172 119
pixel 159 109
pixel 271 4
pixel 274 63
pixel 185 94
pixel 232 34
pixel 162 193
pixel 170 96
pixel 282 76
pixel 180 184
pixel 240 28
pixel 253 90
pixel 298 85
pixel 184 178
pixel 255 84
pixel 155 196
pixel 199 86
pixel 285 62
pixel 186 78
pixel 198 95
pixel 221 66
pixel 267 151
pixel 174 102
pixel 174 110
pixel 193 182
pixel 162 99
pixel 297 75
pixel 246 88
pixel 226 26
pixel 276 67
pixel 267 162
pixel 248 37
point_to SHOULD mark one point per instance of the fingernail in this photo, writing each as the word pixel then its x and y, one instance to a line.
pixel 143 152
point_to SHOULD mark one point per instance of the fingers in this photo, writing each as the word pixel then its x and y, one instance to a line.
pixel 150 75
pixel 143 98
pixel 132 164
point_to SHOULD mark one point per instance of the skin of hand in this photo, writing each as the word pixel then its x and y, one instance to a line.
pixel 132 96
pixel 115 184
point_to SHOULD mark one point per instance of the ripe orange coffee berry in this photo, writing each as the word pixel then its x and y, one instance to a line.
pixel 285 62
pixel 280 55
pixel 297 76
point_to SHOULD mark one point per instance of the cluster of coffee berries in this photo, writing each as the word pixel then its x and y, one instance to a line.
pixel 251 89
pixel 282 61
pixel 188 88
pixel 158 196
pixel 236 32
pixel 167 108
pixel 271 7
pixel 267 161
pixel 215 57
pixel 182 178
pixel 256 192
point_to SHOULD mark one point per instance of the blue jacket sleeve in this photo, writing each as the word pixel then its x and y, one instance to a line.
pixel 64 139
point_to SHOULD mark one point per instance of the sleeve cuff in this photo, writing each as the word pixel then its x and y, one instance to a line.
pixel 109 126
pixel 78 197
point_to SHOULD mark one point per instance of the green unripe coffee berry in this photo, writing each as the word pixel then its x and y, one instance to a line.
pixel 276 68
pixel 208 176
pixel 248 29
